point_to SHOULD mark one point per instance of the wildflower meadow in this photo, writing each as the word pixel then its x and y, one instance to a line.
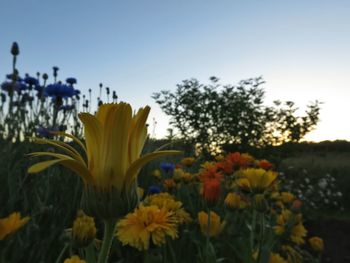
pixel 85 184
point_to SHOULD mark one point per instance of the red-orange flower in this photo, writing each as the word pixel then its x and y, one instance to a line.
pixel 226 166
pixel 239 160
pixel 210 173
pixel 266 165
pixel 211 190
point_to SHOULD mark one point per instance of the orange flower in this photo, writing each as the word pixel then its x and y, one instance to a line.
pixel 226 166
pixel 240 160
pixel 266 165
pixel 209 173
pixel 169 183
pixel 211 190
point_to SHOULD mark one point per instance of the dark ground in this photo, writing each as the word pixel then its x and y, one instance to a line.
pixel 336 234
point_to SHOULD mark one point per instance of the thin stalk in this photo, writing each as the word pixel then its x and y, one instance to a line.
pixel 60 257
pixel 107 240
pixel 262 234
pixel 208 239
pixel 90 254
pixel 252 233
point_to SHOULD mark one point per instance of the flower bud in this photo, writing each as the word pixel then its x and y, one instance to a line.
pixel 84 230
pixel 316 244
pixel 15 49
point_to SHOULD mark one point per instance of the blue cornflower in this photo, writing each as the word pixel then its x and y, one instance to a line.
pixel 71 81
pixel 10 86
pixel 20 86
pixel 60 90
pixel 31 81
pixel 6 86
pixel 167 167
pixel 154 189
pixel 43 132
pixel 10 77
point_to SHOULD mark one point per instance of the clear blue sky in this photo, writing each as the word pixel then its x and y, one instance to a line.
pixel 302 48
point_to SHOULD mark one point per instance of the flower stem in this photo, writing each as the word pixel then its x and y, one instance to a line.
pixel 208 238
pixel 107 240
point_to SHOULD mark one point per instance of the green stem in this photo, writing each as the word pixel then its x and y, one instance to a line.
pixel 107 240
pixel 90 256
pixel 60 257
pixel 208 238
pixel 262 234
pixel 252 233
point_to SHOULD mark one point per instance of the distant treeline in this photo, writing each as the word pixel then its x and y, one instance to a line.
pixel 285 150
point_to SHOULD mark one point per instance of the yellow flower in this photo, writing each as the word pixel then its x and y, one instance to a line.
pixel 219 157
pixel 84 230
pixel 235 201
pixel 276 258
pixel 298 233
pixel 316 244
pixel 253 179
pixel 287 197
pixel 146 224
pixel 114 142
pixel 74 259
pixel 188 161
pixel 157 174
pixel 215 225
pixel 11 224
pixel 167 201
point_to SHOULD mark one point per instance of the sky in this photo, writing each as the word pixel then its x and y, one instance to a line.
pixel 301 48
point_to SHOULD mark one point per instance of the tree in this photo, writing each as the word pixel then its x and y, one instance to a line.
pixel 214 115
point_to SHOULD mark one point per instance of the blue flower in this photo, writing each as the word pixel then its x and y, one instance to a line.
pixel 154 189
pixel 10 77
pixel 60 90
pixel 7 86
pixel 31 81
pixel 43 132
pixel 71 81
pixel 167 167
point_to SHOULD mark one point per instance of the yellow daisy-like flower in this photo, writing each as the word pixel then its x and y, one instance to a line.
pixel 84 230
pixel 157 174
pixel 235 201
pixel 146 224
pixel 215 226
pixel 74 259
pixel 316 244
pixel 287 197
pixel 167 201
pixel 11 224
pixel 293 223
pixel 298 233
pixel 276 258
pixel 188 161
pixel 114 142
pixel 181 175
pixel 253 179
